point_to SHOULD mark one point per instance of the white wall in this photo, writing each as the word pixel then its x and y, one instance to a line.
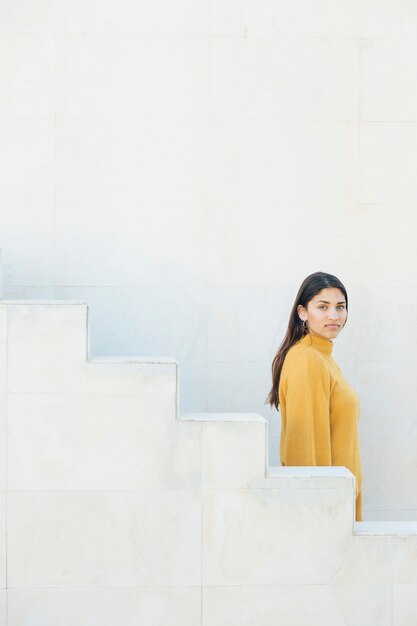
pixel 183 166
pixel 115 510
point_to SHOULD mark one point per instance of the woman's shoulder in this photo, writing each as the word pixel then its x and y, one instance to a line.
pixel 303 356
pixel 303 351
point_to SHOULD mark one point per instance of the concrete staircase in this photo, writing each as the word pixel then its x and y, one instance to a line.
pixel 118 511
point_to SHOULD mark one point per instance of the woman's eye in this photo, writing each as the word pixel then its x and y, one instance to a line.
pixel 339 306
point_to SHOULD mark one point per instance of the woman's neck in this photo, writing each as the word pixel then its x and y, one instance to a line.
pixel 320 343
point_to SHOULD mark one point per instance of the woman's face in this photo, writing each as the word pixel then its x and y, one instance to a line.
pixel 326 313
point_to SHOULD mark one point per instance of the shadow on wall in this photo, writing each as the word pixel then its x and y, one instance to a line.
pixel 1 275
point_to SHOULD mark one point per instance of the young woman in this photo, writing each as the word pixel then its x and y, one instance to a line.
pixel 319 409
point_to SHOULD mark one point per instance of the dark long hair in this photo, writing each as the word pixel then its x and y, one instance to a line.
pixel 295 331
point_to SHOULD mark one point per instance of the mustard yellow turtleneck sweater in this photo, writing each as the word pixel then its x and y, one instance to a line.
pixel 319 411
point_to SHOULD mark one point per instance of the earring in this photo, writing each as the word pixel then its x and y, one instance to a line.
pixel 305 324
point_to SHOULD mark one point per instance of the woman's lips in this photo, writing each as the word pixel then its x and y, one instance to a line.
pixel 333 325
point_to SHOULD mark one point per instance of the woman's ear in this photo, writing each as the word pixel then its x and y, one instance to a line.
pixel 302 313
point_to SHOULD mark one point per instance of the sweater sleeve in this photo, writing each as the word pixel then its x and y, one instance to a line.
pixel 306 389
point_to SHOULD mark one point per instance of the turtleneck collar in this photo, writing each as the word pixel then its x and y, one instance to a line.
pixel 323 345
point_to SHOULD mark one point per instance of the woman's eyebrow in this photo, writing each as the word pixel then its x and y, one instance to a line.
pixel 327 302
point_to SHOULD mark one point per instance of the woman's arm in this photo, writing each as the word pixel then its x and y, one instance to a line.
pixel 306 389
